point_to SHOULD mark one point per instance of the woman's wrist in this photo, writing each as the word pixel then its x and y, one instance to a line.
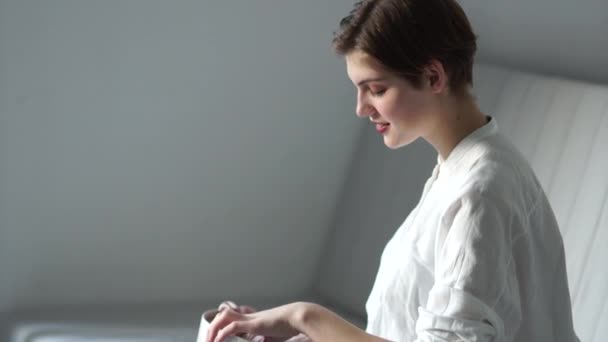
pixel 304 314
pixel 321 324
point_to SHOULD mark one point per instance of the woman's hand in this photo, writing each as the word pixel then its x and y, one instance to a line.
pixel 244 309
pixel 278 322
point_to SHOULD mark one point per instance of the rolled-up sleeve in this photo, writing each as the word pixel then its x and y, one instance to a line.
pixel 475 296
pixel 465 319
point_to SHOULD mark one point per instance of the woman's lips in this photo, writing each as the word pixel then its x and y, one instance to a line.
pixel 381 128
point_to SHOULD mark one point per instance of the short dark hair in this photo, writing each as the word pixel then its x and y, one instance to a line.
pixel 405 35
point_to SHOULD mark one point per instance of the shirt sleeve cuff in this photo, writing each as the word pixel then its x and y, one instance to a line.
pixel 455 315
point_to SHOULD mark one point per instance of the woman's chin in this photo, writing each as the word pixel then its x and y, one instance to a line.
pixel 394 144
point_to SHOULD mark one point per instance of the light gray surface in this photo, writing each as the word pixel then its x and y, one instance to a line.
pixel 167 151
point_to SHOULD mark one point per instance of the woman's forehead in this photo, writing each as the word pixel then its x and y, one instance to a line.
pixel 361 66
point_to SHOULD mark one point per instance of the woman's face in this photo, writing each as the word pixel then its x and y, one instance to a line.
pixel 400 112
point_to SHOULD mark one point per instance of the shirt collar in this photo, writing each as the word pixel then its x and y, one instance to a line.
pixel 467 145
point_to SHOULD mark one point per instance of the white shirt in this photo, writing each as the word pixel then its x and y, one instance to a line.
pixel 480 258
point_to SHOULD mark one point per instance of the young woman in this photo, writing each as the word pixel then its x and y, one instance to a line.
pixel 480 258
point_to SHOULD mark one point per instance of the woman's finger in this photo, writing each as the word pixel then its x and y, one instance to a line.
pixel 221 320
pixel 234 328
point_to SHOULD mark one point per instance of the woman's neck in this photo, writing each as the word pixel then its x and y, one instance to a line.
pixel 456 118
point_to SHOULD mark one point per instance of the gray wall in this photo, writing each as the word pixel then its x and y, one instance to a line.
pixel 553 37
pixel 157 151
pixel 162 151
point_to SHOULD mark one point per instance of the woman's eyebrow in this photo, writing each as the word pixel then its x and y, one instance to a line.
pixel 370 80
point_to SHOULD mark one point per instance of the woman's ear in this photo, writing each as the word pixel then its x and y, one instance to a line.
pixel 436 76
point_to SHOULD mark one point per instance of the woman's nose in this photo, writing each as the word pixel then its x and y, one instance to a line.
pixel 363 108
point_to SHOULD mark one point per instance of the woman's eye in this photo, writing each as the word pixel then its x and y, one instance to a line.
pixel 377 92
